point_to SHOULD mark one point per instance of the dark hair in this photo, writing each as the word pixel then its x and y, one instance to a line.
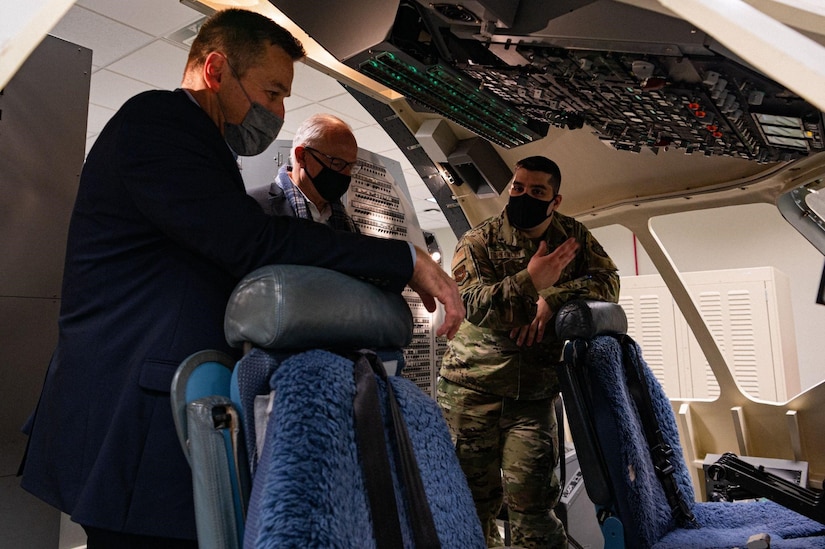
pixel 242 36
pixel 542 164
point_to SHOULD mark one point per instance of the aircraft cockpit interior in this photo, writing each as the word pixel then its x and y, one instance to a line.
pixel 691 140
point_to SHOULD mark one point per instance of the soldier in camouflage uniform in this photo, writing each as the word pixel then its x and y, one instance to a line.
pixel 498 380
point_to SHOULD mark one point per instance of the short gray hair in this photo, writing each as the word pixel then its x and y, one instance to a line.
pixel 312 130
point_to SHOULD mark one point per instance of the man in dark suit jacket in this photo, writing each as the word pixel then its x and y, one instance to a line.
pixel 161 232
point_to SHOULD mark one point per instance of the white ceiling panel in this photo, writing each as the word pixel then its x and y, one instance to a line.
pixel 423 200
pixel 315 85
pixel 396 154
pixel 294 117
pixel 98 116
pixel 347 104
pixel 354 123
pixel 89 142
pixel 109 89
pixel 375 139
pixel 284 134
pixel 156 17
pixel 109 40
pixel 159 64
pixel 431 222
pixel 417 192
pixel 295 101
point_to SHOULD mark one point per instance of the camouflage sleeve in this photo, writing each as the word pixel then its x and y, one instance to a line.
pixel 595 276
pixel 497 304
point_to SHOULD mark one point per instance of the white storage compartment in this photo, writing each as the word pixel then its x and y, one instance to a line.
pixel 748 311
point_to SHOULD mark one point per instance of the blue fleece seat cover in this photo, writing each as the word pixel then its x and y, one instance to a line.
pixel 309 489
pixel 640 499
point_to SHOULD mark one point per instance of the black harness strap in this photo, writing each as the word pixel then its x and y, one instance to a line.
pixel 423 525
pixel 421 518
pixel 560 510
pixel 375 462
pixel 660 450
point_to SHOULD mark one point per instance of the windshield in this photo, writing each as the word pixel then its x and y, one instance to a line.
pixel 804 208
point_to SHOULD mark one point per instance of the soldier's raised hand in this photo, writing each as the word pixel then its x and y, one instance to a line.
pixel 546 268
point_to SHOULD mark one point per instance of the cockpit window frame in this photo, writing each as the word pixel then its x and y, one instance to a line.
pixel 795 207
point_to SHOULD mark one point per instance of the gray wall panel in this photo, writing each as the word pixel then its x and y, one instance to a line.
pixel 28 333
pixel 43 111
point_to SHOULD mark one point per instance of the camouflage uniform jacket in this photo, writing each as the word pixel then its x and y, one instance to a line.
pixel 490 267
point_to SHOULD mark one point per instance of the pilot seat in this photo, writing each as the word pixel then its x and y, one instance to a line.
pixel 311 439
pixel 627 442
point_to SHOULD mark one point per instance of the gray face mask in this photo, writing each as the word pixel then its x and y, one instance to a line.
pixel 256 132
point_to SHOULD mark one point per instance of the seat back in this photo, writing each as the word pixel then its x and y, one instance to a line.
pixel 277 311
pixel 211 436
pixel 605 426
pixel 633 506
pixel 296 325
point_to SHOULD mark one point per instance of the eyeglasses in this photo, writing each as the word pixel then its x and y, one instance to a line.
pixel 335 163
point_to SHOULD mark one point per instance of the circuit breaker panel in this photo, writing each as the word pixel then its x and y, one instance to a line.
pixel 379 207
pixel 374 204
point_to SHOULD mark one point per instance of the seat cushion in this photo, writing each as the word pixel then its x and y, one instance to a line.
pixel 724 525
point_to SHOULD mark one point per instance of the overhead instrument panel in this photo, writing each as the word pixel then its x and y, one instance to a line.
pixel 710 106
pixel 511 70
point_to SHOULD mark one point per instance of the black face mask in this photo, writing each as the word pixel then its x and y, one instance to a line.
pixel 330 184
pixel 526 212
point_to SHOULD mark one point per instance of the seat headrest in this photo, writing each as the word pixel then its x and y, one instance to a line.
pixel 586 319
pixel 288 307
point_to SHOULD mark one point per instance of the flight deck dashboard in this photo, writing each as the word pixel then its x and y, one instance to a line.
pixel 636 79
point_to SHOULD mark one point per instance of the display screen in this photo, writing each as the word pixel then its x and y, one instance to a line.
pixel 775 120
pixel 787 142
pixel 783 131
